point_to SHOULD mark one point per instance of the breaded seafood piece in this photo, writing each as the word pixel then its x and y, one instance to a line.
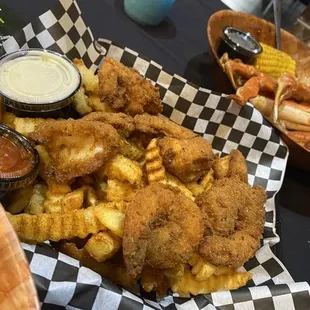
pixel 187 159
pixel 232 165
pixel 76 147
pixel 123 123
pixel 234 217
pixel 160 126
pixel 162 229
pixel 125 90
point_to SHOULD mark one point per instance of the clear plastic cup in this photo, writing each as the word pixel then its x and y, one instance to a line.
pixel 148 12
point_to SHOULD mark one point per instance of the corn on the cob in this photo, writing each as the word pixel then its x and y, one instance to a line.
pixel 274 62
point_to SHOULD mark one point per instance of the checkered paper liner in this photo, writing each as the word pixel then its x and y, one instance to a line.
pixel 62 283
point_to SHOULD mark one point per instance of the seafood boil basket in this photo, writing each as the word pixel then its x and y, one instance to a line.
pixel 61 281
pixel 264 32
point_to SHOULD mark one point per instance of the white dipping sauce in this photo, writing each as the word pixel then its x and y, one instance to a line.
pixel 38 77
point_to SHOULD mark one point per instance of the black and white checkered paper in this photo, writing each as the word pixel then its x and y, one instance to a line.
pixel 61 281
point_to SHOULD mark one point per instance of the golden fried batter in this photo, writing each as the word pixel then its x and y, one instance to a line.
pixel 125 90
pixel 123 123
pixel 234 220
pixel 187 159
pixel 232 165
pixel 76 147
pixel 159 125
pixel 237 166
pixel 162 229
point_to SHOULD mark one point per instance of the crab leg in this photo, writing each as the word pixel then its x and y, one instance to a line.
pixel 252 87
pixel 295 112
pixel 291 113
pixel 289 87
pixel 294 126
pixel 235 69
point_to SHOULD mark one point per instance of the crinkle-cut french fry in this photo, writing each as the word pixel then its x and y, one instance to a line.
pixel 154 164
pixel 89 79
pixel 77 223
pixel 130 150
pixel 141 140
pixel 207 180
pixel 36 203
pixel 189 285
pixel 102 246
pixel 80 102
pixel 44 161
pixel 224 270
pixel 111 218
pixel 195 188
pixel 26 125
pixel 202 269
pixel 124 169
pixel 111 269
pixel 8 119
pixel 96 105
pixel 175 182
pixel 19 200
pixel 119 190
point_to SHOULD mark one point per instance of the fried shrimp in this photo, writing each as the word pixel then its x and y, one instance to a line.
pixel 125 90
pixel 162 229
pixel 76 148
pixel 234 214
pixel 123 123
pixel 159 125
pixel 187 159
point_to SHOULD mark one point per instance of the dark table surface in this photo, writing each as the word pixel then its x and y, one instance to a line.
pixel 181 46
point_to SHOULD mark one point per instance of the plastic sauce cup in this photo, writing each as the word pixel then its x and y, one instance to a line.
pixel 37 80
pixel 239 44
pixel 11 181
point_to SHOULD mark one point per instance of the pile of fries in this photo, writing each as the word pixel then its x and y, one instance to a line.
pixel 84 218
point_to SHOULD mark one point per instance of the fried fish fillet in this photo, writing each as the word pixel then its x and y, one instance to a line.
pixel 159 125
pixel 125 90
pixel 26 125
pixel 187 159
pixel 76 147
pixel 123 123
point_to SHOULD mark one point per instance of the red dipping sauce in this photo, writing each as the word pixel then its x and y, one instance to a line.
pixel 15 161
